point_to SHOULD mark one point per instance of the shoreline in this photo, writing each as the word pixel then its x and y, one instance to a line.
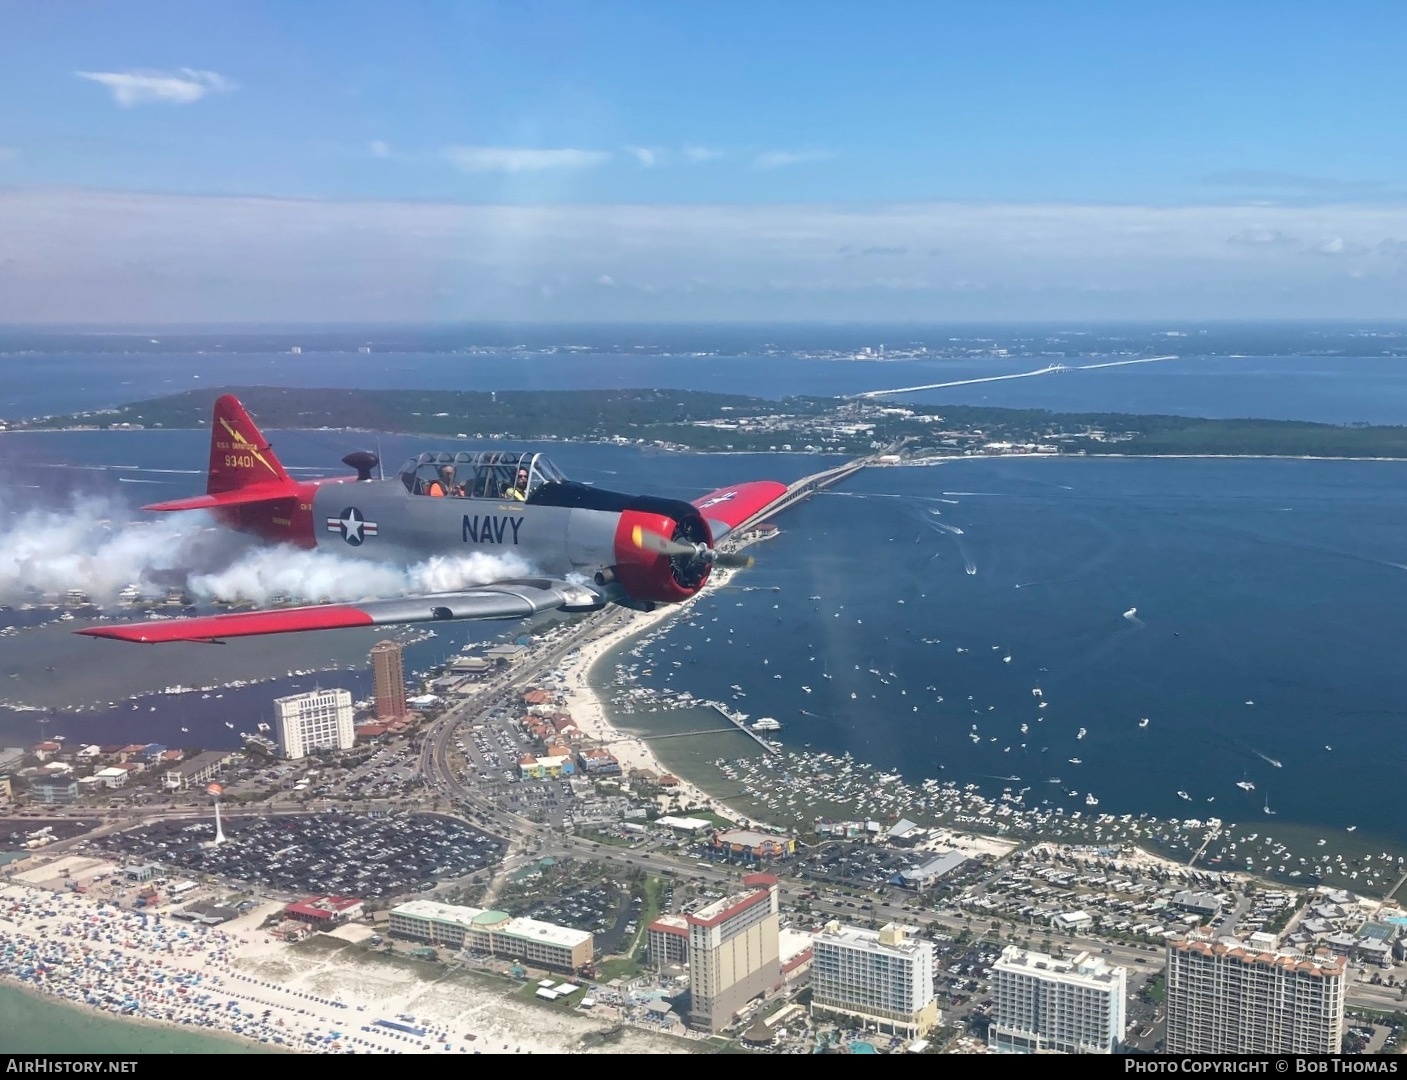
pixel 590 714
pixel 1205 456
pixel 232 1042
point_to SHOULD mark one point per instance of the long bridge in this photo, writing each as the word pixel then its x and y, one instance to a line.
pixel 809 485
pixel 1049 369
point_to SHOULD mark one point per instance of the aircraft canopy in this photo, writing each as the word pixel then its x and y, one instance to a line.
pixel 481 474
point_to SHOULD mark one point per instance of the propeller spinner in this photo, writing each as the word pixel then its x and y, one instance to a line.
pixel 646 540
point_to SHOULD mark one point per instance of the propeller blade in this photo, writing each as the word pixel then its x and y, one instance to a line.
pixel 652 541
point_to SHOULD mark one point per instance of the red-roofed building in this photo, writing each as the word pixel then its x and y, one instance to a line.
pixel 45 750
pixel 669 941
pixel 130 750
pixel 599 762
pixel 760 881
pixel 325 910
pixel 170 757
pixel 537 697
pixel 371 731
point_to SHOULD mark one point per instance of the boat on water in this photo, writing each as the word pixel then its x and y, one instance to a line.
pixel 1075 761
pixel 1090 800
pixel 1245 785
pixel 766 723
pixel 1143 722
pixel 1080 734
pixel 1184 795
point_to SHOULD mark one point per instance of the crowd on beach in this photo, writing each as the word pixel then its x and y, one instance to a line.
pixel 153 967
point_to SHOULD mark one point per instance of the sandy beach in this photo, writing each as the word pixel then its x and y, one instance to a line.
pixel 589 714
pixel 324 996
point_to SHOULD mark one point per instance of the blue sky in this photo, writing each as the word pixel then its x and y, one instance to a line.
pixel 903 160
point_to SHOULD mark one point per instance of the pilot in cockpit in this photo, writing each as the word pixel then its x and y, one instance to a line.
pixel 445 485
pixel 519 491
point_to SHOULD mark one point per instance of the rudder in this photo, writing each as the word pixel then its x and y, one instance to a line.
pixel 240 456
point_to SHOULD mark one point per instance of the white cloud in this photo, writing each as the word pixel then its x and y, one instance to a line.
pixel 1337 245
pixel 110 256
pixel 701 153
pixel 606 280
pixel 1260 238
pixel 509 159
pixel 145 87
pixel 643 154
pixel 778 159
pixel 379 148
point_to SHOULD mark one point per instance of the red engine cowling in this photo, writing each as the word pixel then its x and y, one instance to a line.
pixel 649 575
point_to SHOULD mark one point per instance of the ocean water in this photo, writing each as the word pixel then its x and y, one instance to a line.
pixel 31 1024
pixel 1250 610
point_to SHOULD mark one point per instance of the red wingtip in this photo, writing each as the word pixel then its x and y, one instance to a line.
pixel 236 624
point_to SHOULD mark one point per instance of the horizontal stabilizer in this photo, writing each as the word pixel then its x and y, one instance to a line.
pixel 504 600
pixel 238 497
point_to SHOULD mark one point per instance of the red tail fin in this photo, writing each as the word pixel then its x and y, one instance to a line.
pixel 240 456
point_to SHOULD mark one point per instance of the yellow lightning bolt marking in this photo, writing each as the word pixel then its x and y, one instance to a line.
pixel 247 445
pixel 638 536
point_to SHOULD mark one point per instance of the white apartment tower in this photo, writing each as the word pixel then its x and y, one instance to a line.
pixel 882 977
pixel 1071 1006
pixel 734 952
pixel 319 720
pixel 1229 996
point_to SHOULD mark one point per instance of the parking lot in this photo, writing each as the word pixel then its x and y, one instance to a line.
pixel 341 854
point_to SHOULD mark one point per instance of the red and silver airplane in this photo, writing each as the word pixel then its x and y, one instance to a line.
pixel 591 547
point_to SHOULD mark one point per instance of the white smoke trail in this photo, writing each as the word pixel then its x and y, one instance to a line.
pixel 312 576
pixel 96 548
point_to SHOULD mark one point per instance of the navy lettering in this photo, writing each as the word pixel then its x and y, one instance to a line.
pixel 489 530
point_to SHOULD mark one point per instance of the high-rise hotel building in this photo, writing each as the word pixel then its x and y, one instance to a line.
pixel 734 952
pixel 388 679
pixel 1227 995
pixel 318 720
pixel 1040 1003
pixel 882 977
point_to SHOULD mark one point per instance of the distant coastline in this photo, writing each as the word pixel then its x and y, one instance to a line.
pixel 708 422
pixel 916 462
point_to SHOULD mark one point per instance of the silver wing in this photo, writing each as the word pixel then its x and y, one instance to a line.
pixel 515 599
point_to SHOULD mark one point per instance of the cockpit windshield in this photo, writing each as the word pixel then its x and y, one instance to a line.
pixel 484 474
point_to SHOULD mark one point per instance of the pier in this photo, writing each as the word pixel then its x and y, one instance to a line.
pixel 754 736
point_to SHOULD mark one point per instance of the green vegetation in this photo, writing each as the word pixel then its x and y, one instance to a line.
pixel 691 419
pixel 616 967
pixel 522 414
pixel 651 905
